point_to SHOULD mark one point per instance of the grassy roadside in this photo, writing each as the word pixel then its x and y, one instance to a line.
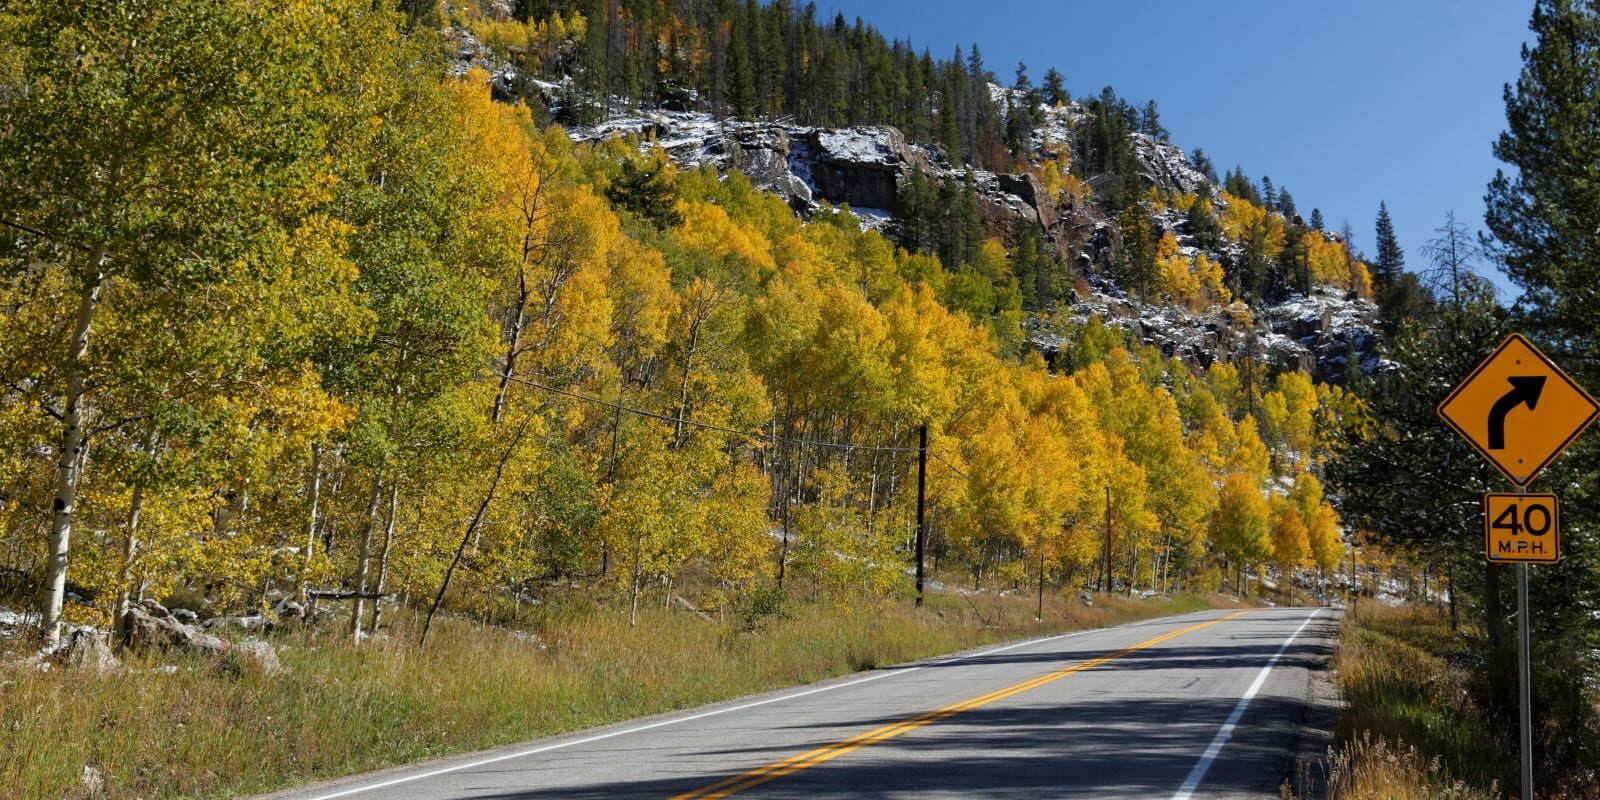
pixel 153 732
pixel 1410 730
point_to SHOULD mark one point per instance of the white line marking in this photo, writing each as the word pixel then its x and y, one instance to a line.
pixel 676 720
pixel 1225 733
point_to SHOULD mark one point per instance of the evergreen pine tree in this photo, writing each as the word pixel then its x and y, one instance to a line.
pixel 1238 185
pixel 1137 268
pixel 741 76
pixel 1269 195
pixel 645 191
pixel 1316 219
pixel 1055 90
pixel 1286 204
pixel 915 223
pixel 1291 273
pixel 1203 165
pixel 1545 219
pixel 1019 117
pixel 1545 216
pixel 1150 122
pixel 1023 83
pixel 1391 260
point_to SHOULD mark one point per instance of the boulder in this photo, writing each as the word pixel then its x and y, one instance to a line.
pixel 252 656
pixel 1034 194
pixel 152 626
pixel 287 609
pixel 87 648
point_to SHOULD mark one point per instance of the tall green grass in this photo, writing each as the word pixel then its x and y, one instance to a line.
pixel 154 732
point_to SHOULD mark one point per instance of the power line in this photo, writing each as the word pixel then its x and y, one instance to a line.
pixel 947 464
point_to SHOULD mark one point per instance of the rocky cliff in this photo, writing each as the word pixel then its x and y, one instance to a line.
pixel 866 167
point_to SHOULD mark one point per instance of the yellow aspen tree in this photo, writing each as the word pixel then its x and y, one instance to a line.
pixel 1291 548
pixel 1240 529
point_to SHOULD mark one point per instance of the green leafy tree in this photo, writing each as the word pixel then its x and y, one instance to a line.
pixel 176 157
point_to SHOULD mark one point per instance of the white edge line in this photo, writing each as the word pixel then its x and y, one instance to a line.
pixel 676 720
pixel 1225 733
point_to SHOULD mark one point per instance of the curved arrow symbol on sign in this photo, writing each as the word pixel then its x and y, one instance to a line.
pixel 1525 390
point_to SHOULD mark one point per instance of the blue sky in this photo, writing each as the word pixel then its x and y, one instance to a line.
pixel 1345 103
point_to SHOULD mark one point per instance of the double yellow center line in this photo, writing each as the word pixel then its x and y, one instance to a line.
pixel 738 783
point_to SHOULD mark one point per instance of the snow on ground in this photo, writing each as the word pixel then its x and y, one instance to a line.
pixel 857 145
pixel 15 618
pixel 1165 163
pixel 874 219
pixel 1327 307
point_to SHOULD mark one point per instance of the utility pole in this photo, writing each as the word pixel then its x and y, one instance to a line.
pixel 1039 615
pixel 1106 578
pixel 922 502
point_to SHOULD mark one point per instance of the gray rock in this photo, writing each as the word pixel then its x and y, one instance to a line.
pixel 864 166
pixel 150 626
pixel 252 656
pixel 288 609
pixel 87 648
pixel 185 616
pixel 248 623
pixel 92 782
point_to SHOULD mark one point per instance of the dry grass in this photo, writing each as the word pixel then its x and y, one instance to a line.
pixel 1410 730
pixel 1373 768
pixel 157 732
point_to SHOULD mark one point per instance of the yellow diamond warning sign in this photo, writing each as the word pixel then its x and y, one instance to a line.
pixel 1521 528
pixel 1519 409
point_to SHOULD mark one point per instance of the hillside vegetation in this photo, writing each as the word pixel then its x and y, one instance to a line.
pixel 300 313
pixel 534 325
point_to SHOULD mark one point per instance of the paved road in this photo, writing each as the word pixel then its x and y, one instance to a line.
pixel 1205 705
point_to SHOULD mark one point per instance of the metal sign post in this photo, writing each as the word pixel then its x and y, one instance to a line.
pixel 1525 680
pixel 1519 411
pixel 1524 673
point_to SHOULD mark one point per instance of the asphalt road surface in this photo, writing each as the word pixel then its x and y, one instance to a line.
pixel 1205 705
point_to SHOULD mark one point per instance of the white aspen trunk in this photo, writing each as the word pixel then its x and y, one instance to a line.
pixel 70 454
pixel 633 597
pixel 311 524
pixel 514 343
pixel 683 384
pixel 130 551
pixel 383 555
pixel 364 558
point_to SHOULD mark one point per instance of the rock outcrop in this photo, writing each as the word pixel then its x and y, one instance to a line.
pixel 866 167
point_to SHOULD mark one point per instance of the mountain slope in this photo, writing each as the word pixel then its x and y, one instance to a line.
pixel 1321 320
